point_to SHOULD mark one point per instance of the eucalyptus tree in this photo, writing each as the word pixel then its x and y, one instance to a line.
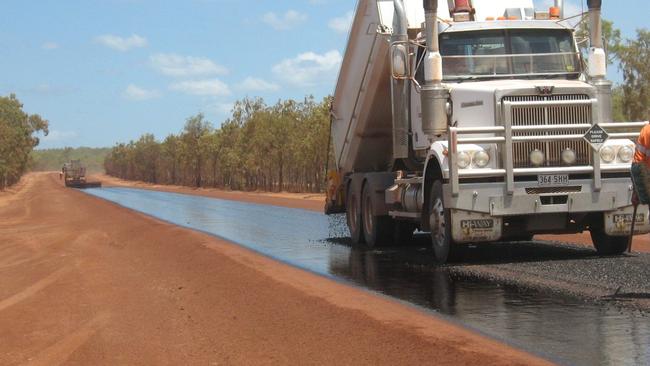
pixel 17 139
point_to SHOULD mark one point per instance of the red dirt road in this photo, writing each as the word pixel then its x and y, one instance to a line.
pixel 87 282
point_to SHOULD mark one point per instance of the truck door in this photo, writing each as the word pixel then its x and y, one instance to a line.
pixel 418 139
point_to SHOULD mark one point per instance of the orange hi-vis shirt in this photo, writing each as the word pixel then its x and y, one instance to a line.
pixel 642 151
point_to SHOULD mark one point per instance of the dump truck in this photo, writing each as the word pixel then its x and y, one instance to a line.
pixel 73 174
pixel 478 121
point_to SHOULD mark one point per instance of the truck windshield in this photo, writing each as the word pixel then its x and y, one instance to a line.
pixel 509 53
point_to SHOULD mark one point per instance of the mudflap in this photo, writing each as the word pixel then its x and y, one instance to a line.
pixel 470 227
pixel 619 222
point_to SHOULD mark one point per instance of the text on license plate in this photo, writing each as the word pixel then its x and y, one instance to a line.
pixel 553 179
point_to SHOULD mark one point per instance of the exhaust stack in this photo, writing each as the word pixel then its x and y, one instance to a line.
pixel 434 95
pixel 399 86
pixel 598 61
pixel 597 58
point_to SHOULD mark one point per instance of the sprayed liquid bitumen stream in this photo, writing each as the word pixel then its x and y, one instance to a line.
pixel 562 329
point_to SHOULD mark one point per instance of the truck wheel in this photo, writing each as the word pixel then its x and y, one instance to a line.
pixel 440 224
pixel 353 216
pixel 377 230
pixel 608 245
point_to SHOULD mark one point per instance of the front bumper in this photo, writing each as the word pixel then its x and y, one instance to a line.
pixel 493 199
pixel 481 211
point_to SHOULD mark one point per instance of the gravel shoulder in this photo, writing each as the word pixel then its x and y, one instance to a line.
pixel 88 282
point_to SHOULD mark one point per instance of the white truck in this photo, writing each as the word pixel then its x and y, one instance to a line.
pixel 478 121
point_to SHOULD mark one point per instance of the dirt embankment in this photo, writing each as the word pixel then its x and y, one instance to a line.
pixel 87 282
pixel 315 202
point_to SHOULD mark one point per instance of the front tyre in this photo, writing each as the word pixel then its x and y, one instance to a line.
pixel 608 245
pixel 440 225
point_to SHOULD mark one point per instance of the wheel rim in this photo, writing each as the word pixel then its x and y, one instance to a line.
pixel 438 224
pixel 367 215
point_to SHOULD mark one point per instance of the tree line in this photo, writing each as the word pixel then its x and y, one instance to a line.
pixel 282 147
pixel 17 139
pixel 47 160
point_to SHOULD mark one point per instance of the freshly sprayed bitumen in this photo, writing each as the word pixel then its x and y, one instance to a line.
pixel 555 300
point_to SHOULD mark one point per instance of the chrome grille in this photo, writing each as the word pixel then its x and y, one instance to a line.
pixel 553 190
pixel 545 115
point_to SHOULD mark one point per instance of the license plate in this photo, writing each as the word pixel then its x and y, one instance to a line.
pixel 553 180
pixel 628 218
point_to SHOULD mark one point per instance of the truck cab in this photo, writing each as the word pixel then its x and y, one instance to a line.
pixel 498 128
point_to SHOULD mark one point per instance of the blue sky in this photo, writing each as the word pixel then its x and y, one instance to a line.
pixel 108 71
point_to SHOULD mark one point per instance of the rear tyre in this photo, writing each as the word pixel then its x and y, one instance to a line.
pixel 377 230
pixel 608 245
pixel 353 216
pixel 440 224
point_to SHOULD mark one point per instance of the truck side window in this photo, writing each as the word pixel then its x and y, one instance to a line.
pixel 419 71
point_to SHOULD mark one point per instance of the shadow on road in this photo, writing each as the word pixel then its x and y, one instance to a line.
pixel 418 252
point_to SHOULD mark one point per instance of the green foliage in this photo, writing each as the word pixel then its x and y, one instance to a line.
pixel 631 100
pixel 260 147
pixel 611 35
pixel 634 58
pixel 17 139
pixel 53 159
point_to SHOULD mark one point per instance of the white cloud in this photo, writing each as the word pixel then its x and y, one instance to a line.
pixel 50 90
pixel 289 20
pixel 221 109
pixel 57 136
pixel 136 93
pixel 309 68
pixel 184 66
pixel 210 87
pixel 122 43
pixel 50 46
pixel 342 24
pixel 44 88
pixel 257 85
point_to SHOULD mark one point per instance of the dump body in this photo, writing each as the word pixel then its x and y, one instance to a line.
pixel 361 112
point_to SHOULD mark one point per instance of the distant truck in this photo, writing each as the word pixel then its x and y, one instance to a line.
pixel 478 121
pixel 73 174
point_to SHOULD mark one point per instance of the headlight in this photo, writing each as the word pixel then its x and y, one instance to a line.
pixel 464 160
pixel 626 154
pixel 569 157
pixel 537 157
pixel 481 159
pixel 607 154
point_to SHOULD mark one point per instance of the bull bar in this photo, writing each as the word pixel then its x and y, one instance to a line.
pixel 503 135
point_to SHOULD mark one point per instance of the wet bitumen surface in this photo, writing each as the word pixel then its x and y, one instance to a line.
pixel 559 301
